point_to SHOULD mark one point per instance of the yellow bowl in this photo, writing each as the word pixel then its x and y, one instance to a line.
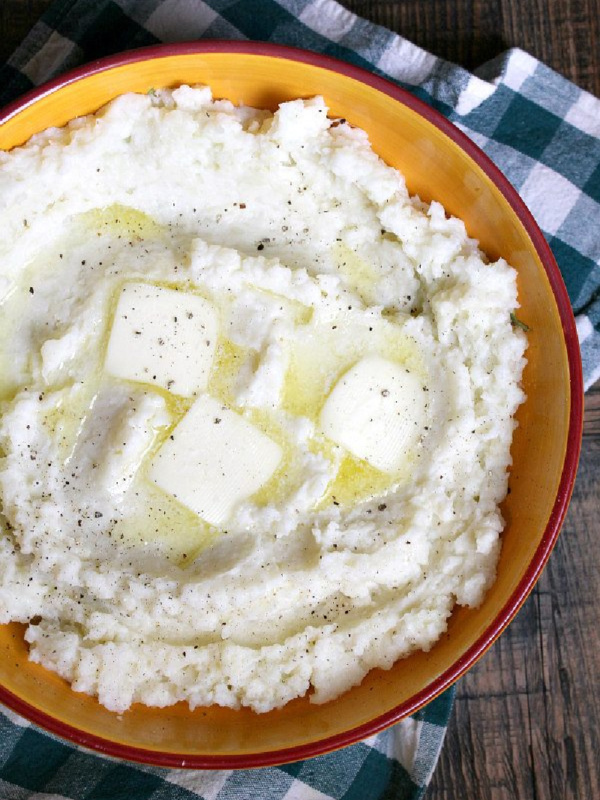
pixel 439 163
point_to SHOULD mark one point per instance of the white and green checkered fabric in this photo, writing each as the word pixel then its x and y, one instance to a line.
pixel 544 134
pixel 394 765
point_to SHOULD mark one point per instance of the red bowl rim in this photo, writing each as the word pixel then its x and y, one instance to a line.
pixel 518 597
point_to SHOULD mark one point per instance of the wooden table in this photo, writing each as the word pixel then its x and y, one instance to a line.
pixel 527 717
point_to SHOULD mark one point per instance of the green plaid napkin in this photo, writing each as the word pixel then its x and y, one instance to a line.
pixel 544 134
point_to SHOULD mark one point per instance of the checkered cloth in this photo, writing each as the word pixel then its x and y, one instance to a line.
pixel 544 134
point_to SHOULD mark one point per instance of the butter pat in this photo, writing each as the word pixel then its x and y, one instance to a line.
pixel 377 411
pixel 162 337
pixel 214 459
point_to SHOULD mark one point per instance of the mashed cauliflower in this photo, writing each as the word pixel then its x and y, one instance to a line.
pixel 256 404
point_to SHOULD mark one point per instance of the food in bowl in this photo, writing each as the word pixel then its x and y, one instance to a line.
pixel 257 404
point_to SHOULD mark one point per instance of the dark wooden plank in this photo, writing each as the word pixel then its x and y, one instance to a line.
pixel 591 427
pixel 561 33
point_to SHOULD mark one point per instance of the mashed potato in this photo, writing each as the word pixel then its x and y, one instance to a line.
pixel 257 404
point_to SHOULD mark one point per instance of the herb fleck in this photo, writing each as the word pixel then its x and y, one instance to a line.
pixel 517 323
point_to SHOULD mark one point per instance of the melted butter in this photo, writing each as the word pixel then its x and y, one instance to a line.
pixel 158 518
pixel 357 481
pixel 318 357
pixel 154 517
pixel 8 387
pixel 317 361
pixel 287 474
pixel 229 360
pixel 321 356
pixel 65 421
pixel 359 276
pixel 116 220
pixel 119 219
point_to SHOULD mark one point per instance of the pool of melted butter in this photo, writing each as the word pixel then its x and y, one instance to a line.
pixel 318 356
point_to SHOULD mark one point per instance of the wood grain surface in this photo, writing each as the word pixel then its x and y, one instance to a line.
pixel 565 34
pixel 526 724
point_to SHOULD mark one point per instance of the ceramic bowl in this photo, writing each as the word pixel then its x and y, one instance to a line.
pixel 439 163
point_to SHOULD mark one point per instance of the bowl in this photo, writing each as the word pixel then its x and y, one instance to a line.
pixel 439 163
